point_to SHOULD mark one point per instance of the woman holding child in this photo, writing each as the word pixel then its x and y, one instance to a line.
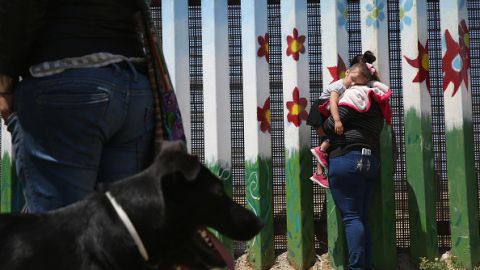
pixel 353 153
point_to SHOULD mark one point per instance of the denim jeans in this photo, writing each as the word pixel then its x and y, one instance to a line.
pixel 79 128
pixel 351 178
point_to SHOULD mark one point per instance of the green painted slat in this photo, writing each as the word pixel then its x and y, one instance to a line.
pixel 6 184
pixel 418 133
pixel 337 246
pixel 422 190
pixel 259 191
pixel 382 208
pixel 462 189
pixel 11 196
pixel 299 197
pixel 457 95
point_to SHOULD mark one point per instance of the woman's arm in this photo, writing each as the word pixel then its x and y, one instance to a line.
pixel 6 84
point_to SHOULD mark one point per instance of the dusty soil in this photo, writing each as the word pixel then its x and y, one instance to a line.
pixel 281 263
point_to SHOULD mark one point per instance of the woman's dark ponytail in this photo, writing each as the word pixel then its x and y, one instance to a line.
pixel 368 57
pixel 360 61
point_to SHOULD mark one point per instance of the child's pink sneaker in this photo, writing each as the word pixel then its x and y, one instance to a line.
pixel 320 179
pixel 322 157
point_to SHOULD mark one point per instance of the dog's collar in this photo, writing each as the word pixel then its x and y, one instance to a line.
pixel 128 223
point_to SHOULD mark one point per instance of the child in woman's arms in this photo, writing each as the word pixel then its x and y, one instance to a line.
pixel 361 73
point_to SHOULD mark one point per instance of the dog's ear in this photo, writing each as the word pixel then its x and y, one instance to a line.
pixel 174 146
pixel 179 171
pixel 188 165
pixel 173 158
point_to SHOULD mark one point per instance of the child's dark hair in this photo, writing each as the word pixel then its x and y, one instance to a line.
pixel 360 62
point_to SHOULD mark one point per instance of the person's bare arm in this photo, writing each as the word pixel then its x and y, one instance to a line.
pixel 6 84
pixel 334 98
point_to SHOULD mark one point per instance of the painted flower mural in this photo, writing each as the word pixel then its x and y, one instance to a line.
pixel 263 50
pixel 456 61
pixel 343 17
pixel 263 116
pixel 338 72
pixel 422 62
pixel 464 42
pixel 375 13
pixel 296 108
pixel 405 7
pixel 295 45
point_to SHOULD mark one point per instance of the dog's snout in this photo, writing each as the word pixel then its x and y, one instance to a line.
pixel 259 226
pixel 245 224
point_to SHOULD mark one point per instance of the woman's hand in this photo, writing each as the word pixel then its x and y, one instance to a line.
pixel 379 85
pixel 338 127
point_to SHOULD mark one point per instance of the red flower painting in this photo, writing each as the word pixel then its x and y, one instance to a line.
pixel 338 72
pixel 455 62
pixel 263 116
pixel 464 42
pixel 296 109
pixel 422 63
pixel 295 45
pixel 263 50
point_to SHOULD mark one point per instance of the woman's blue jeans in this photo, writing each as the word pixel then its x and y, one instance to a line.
pixel 351 178
pixel 76 129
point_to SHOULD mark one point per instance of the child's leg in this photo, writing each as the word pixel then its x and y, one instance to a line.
pixel 320 132
pixel 320 152
pixel 324 146
pixel 319 168
pixel 319 178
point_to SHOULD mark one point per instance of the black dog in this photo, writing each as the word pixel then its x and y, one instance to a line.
pixel 170 204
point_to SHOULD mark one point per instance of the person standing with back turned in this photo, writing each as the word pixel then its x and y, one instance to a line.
pixel 82 112
pixel 353 168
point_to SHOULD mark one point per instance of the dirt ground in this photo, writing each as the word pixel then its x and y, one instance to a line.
pixel 281 263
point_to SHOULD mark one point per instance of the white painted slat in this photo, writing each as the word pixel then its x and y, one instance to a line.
pixel 217 125
pixel 176 51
